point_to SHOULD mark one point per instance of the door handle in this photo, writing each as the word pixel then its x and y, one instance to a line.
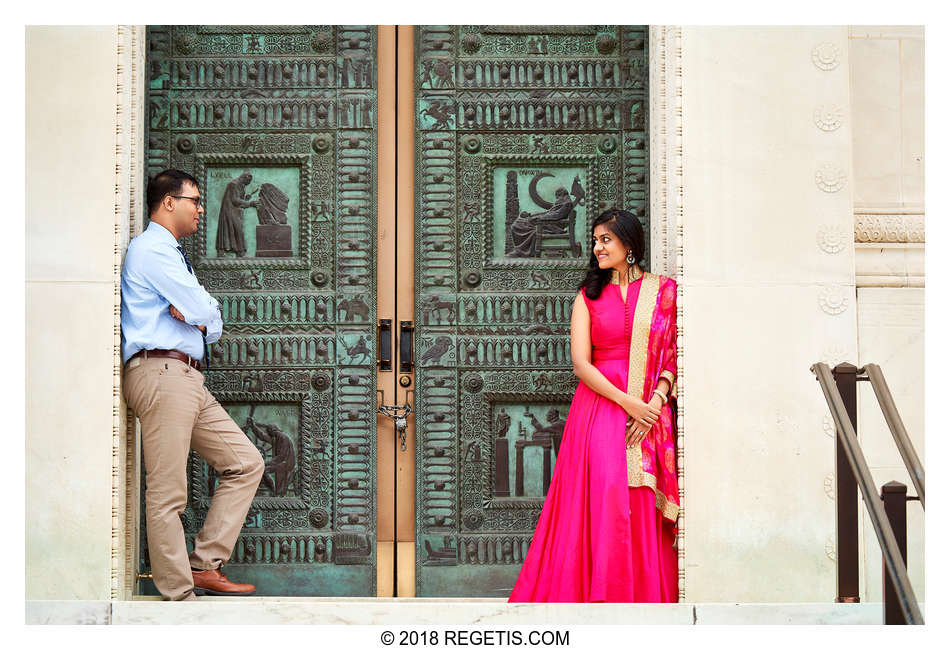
pixel 406 356
pixel 384 337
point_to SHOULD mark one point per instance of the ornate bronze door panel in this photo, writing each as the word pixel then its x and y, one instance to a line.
pixel 278 123
pixel 523 135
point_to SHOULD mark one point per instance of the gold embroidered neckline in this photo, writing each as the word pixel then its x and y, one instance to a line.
pixel 615 275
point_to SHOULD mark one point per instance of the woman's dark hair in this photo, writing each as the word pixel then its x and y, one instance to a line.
pixel 628 230
pixel 166 182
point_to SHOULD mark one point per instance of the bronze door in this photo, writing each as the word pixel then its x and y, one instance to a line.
pixel 502 129
pixel 278 123
pixel 522 135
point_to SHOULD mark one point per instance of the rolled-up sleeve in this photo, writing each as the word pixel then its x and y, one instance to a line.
pixel 215 325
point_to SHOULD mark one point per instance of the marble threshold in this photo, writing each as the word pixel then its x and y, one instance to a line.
pixel 211 610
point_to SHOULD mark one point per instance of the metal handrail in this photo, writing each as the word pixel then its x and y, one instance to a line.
pixel 896 425
pixel 882 528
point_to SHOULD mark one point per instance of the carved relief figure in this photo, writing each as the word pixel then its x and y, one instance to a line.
pixel 252 144
pixel 272 205
pixel 252 279
pixel 231 216
pixel 321 211
pixel 345 73
pixel 528 228
pixel 433 306
pixel 441 114
pixel 502 424
pixel 354 307
pixel 526 233
pixel 542 381
pixel 426 75
pixel 282 458
pixel 442 71
pixel 474 451
pixel 365 109
pixel 359 349
pixel 552 431
pixel 434 354
pixel 253 43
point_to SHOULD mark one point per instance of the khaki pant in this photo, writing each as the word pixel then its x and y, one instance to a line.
pixel 178 414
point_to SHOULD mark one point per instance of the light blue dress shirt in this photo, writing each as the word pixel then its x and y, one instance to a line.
pixel 155 276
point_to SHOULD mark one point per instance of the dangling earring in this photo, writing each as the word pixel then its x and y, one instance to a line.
pixel 630 257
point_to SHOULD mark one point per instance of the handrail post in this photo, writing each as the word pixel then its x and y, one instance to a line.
pixel 894 495
pixel 893 562
pixel 846 493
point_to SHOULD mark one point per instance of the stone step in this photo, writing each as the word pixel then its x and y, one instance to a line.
pixel 433 611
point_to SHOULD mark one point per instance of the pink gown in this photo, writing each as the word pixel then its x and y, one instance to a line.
pixel 597 539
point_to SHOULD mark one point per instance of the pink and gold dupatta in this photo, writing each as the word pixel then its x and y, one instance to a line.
pixel 652 463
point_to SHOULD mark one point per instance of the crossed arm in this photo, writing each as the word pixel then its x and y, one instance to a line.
pixel 177 314
pixel 188 300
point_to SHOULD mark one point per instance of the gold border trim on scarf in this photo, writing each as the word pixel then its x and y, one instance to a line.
pixel 639 344
pixel 667 508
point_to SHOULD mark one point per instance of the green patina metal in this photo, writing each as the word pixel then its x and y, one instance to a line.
pixel 524 134
pixel 278 123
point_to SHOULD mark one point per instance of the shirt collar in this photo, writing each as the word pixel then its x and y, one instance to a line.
pixel 161 232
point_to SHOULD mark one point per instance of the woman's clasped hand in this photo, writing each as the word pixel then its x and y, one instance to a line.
pixel 642 417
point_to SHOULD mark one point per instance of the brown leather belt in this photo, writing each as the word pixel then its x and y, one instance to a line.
pixel 170 354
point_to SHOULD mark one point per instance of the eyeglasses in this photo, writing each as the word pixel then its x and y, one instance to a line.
pixel 196 199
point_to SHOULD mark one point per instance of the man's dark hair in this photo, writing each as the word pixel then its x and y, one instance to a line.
pixel 167 182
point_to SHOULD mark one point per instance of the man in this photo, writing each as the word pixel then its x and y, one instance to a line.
pixel 167 317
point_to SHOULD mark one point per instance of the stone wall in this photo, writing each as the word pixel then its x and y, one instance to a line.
pixel 887 87
pixel 769 290
pixel 70 299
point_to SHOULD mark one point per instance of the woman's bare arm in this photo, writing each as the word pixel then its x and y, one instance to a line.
pixel 581 350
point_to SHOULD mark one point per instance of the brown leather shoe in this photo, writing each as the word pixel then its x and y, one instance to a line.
pixel 214 583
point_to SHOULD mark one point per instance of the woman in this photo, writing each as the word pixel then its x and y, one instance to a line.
pixel 606 531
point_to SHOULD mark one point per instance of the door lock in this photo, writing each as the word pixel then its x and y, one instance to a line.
pixel 398 414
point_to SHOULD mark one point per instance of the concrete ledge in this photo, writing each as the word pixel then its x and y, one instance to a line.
pixel 789 614
pixel 68 612
pixel 889 265
pixel 426 611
